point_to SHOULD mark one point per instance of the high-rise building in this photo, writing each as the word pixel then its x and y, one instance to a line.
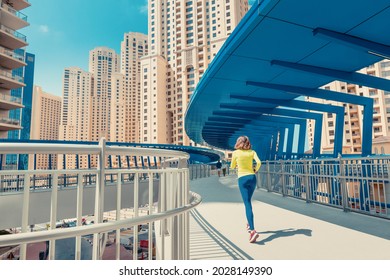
pixel 126 92
pixel 184 37
pixel 27 96
pixel 26 112
pixel 23 114
pixel 12 44
pixel 76 112
pixel 103 63
pixel 45 123
pixel 353 117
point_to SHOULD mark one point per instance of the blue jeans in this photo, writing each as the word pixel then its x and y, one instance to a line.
pixel 247 185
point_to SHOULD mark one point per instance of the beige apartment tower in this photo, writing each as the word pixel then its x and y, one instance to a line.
pixel 76 112
pixel 353 116
pixel 11 20
pixel 45 123
pixel 184 37
pixel 126 91
pixel 103 63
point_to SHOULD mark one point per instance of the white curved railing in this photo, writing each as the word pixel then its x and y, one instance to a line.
pixel 158 197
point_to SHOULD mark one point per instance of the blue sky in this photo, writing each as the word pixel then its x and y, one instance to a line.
pixel 61 33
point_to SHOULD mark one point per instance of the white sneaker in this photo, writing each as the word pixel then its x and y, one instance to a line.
pixel 253 236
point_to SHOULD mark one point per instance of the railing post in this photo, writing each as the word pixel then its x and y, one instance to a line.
pixel 283 178
pixel 25 212
pixel 268 176
pixel 307 182
pixel 99 197
pixel 186 218
pixel 343 185
pixel 53 215
pixel 79 213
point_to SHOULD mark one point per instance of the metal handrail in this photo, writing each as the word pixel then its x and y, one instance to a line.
pixel 13 32
pixel 11 54
pixel 10 98
pixel 172 202
pixel 351 183
pixel 14 12
pixel 9 121
pixel 11 76
pixel 19 148
pixel 31 237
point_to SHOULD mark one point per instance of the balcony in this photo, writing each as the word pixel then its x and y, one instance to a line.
pixel 7 124
pixel 356 136
pixel 19 4
pixel 354 118
pixel 8 102
pixel 10 59
pixel 11 39
pixel 12 18
pixel 9 81
pixel 355 127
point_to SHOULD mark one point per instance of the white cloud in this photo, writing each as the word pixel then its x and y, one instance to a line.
pixel 44 28
pixel 144 8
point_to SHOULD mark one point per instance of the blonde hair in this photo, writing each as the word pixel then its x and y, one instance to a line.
pixel 243 143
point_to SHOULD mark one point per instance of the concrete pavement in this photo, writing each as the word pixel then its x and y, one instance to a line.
pixel 289 229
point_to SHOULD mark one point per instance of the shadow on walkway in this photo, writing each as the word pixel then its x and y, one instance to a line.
pixel 289 228
pixel 375 226
pixel 282 233
pixel 208 243
pixel 225 189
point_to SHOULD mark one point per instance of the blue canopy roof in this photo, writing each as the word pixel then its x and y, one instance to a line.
pixel 283 49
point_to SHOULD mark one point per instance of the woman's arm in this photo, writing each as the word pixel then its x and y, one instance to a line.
pixel 258 162
pixel 233 164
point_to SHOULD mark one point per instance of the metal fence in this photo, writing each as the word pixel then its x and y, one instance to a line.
pixel 352 184
pixel 160 201
pixel 199 171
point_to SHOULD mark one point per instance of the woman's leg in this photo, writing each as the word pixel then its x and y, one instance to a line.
pixel 247 185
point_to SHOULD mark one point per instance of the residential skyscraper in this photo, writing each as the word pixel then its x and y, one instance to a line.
pixel 12 44
pixel 27 96
pixel 26 112
pixel 184 37
pixel 76 111
pixel 45 123
pixel 126 90
pixel 353 117
pixel 103 62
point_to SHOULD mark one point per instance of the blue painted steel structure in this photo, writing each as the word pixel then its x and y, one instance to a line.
pixel 281 50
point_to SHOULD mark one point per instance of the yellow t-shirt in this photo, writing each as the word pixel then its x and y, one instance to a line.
pixel 243 159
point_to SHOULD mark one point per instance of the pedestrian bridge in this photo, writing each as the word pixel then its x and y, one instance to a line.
pixel 289 228
pixel 304 209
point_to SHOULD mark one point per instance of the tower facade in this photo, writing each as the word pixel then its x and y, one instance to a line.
pixel 126 90
pixel 353 116
pixel 184 37
pixel 12 62
pixel 103 62
pixel 76 111
pixel 45 123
